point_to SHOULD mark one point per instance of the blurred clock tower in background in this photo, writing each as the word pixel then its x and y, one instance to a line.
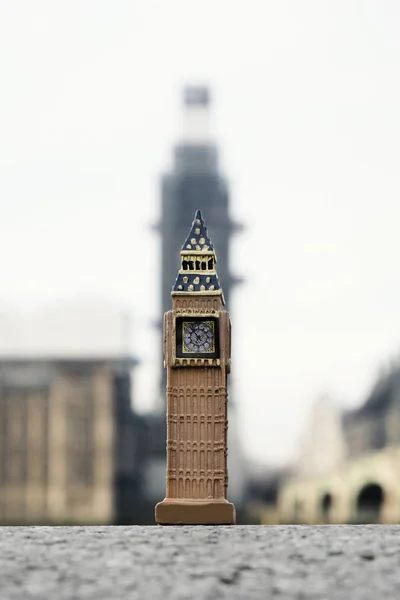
pixel 196 182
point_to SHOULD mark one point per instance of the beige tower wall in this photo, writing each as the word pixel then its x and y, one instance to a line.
pixel 197 421
pixel 57 449
pixel 81 448
pixel 196 433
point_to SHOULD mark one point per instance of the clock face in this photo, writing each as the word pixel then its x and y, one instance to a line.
pixel 198 336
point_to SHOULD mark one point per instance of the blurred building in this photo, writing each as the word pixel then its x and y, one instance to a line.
pixel 70 444
pixel 349 466
pixel 262 494
pixel 195 182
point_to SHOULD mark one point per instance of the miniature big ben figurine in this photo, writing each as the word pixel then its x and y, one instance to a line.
pixel 197 339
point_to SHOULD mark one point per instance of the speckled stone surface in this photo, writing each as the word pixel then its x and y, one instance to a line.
pixel 150 563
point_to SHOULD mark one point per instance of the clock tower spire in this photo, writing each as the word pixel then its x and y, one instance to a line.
pixel 197 346
pixel 198 259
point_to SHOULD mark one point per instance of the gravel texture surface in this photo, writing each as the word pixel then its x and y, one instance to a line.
pixel 262 562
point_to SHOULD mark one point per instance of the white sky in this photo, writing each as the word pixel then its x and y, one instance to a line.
pixel 307 99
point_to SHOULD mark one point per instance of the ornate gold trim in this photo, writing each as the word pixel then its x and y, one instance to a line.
pixel 196 362
pixel 199 293
pixel 188 252
pixel 192 312
pixel 206 272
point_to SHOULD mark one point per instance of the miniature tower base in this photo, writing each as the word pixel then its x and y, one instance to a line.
pixel 195 512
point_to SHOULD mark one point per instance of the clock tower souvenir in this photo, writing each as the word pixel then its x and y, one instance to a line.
pixel 197 337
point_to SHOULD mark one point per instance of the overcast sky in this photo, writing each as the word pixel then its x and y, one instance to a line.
pixel 306 113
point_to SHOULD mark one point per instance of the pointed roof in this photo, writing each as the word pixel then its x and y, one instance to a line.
pixel 197 272
pixel 198 240
pixel 193 282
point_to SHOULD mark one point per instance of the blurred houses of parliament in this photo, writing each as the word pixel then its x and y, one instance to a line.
pixel 69 445
pixel 73 450
pixel 348 469
pixel 348 465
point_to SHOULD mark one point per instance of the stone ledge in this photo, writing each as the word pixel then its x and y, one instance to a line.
pixel 201 563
